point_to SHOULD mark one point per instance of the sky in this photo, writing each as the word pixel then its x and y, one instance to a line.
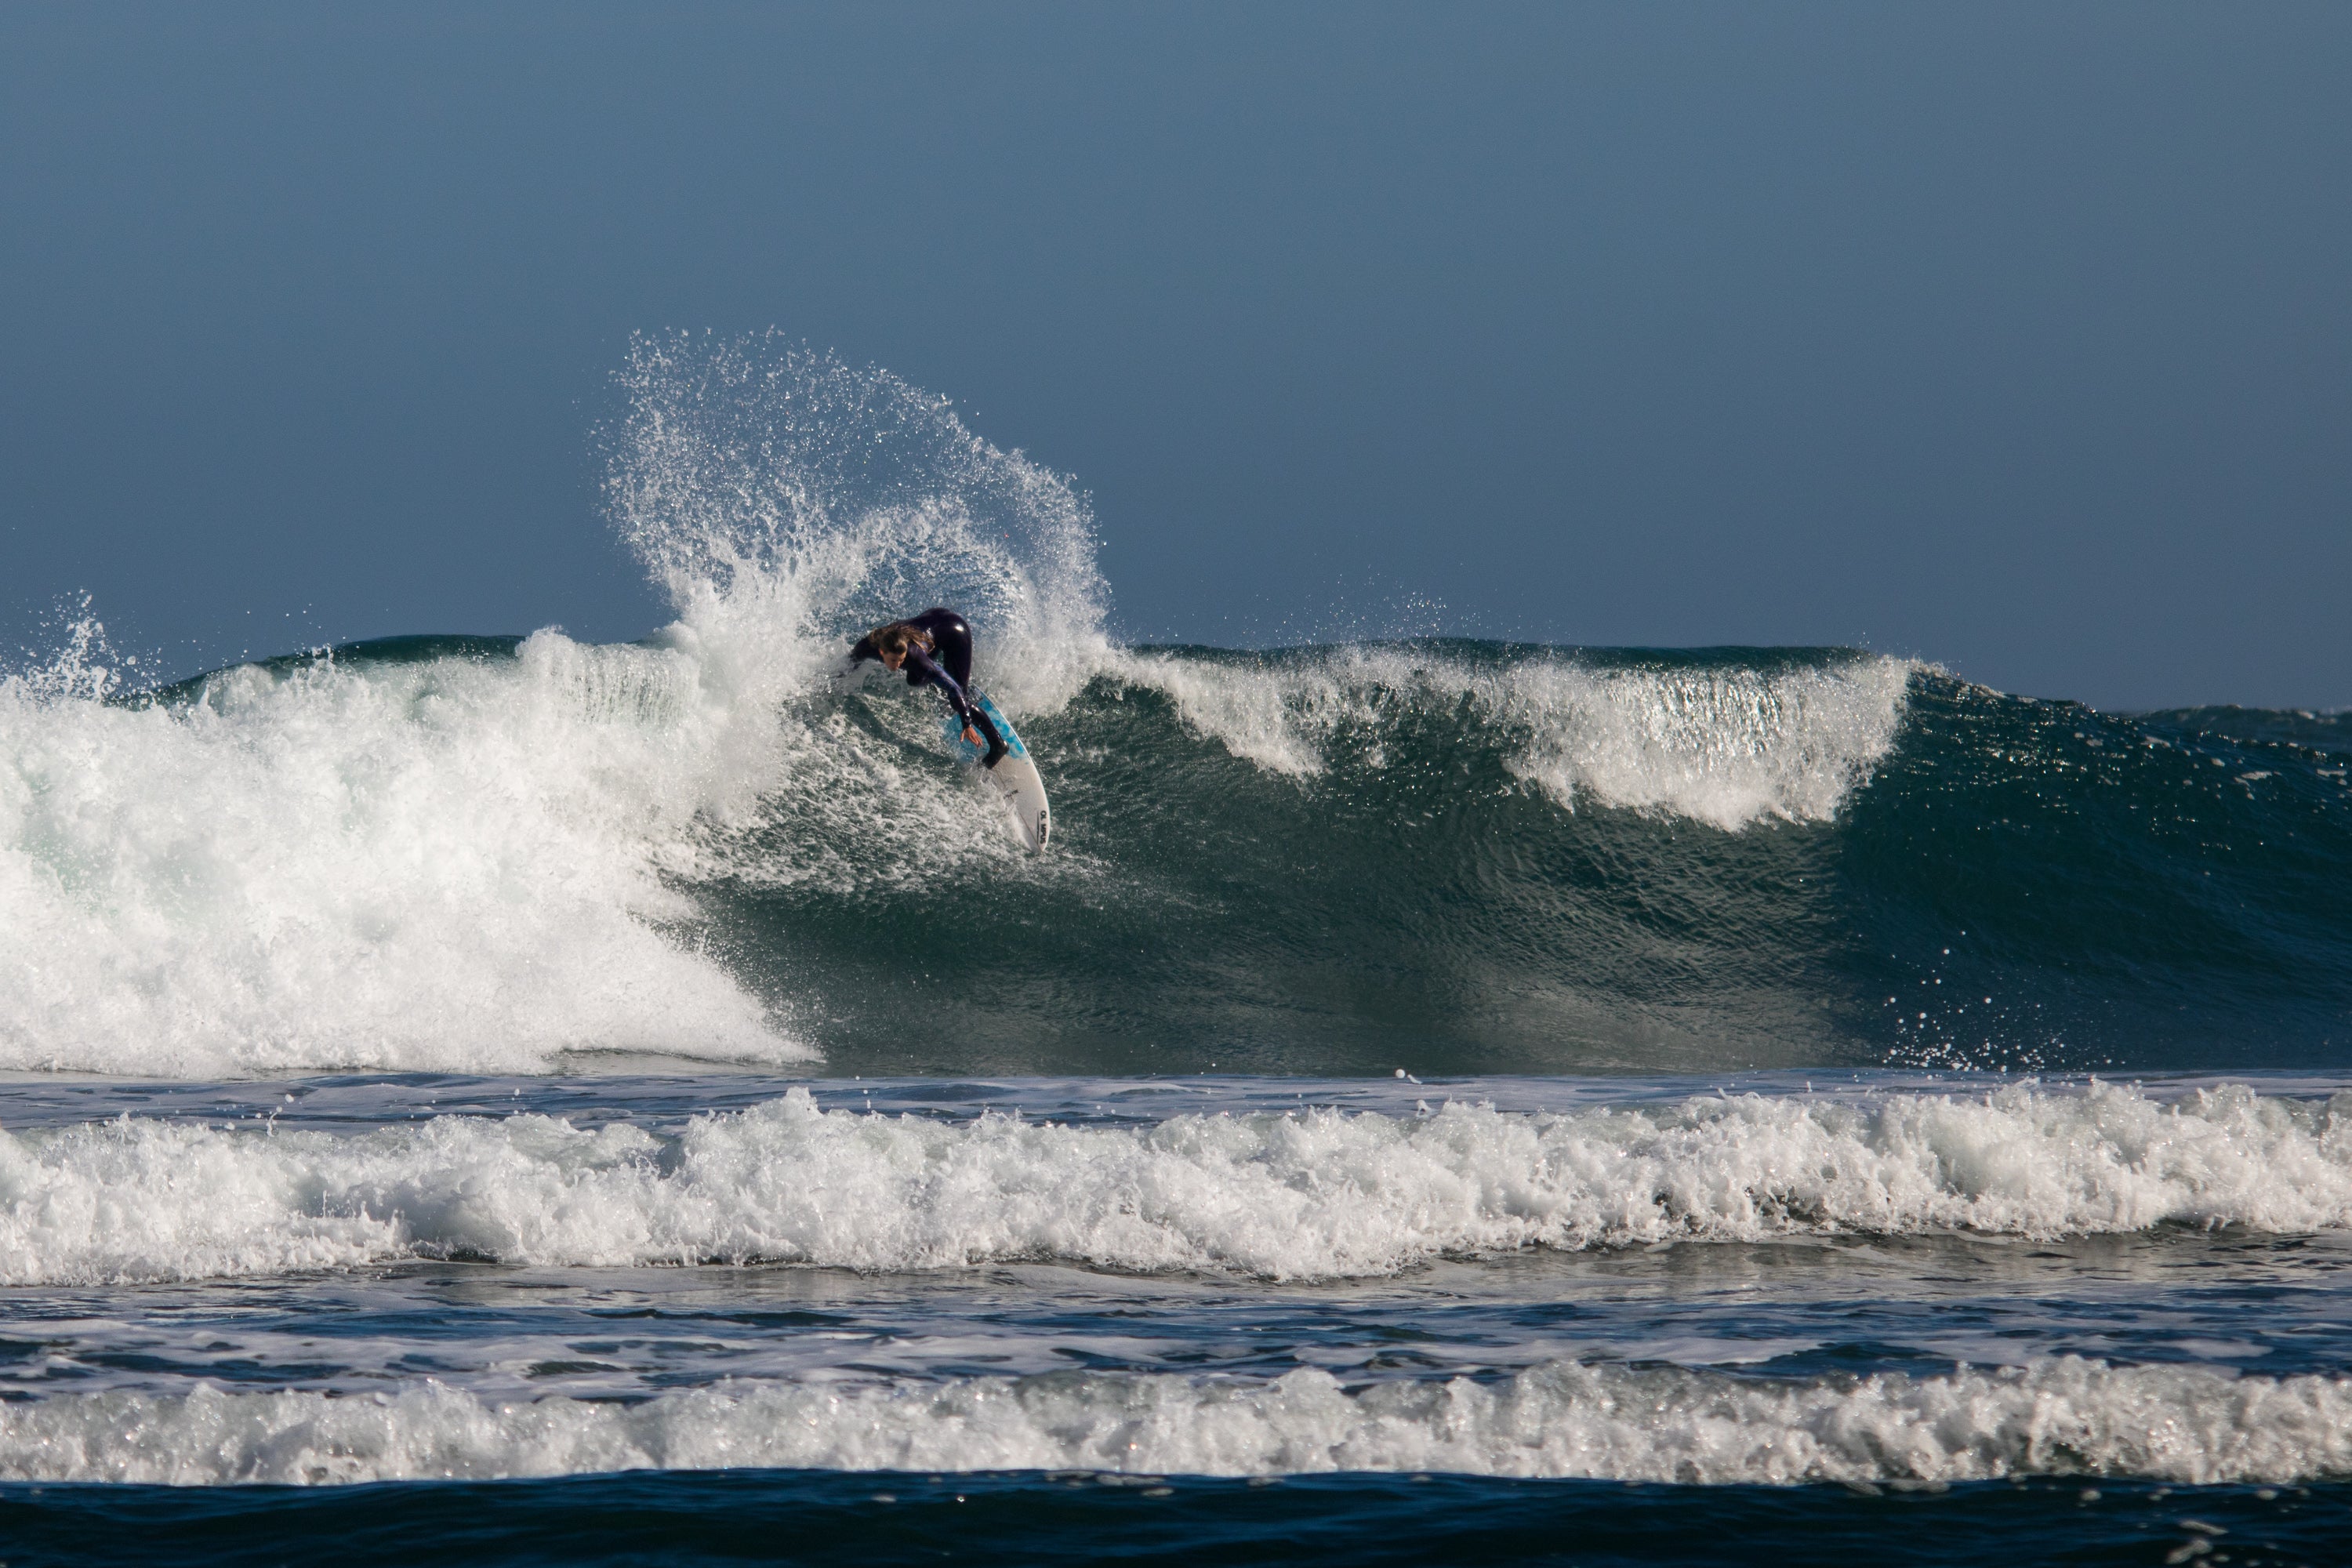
pixel 2017 337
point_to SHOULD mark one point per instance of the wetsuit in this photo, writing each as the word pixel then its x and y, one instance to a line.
pixel 949 670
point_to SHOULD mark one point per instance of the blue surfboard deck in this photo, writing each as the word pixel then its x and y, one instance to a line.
pixel 974 754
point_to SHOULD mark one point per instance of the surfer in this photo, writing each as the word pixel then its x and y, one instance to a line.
pixel 934 648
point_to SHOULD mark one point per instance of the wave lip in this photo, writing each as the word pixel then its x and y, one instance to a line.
pixel 1726 744
pixel 2068 1416
pixel 1316 1194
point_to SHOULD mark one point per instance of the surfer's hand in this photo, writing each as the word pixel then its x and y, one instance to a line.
pixel 972 734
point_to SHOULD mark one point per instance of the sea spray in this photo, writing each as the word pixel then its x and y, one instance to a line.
pixel 786 501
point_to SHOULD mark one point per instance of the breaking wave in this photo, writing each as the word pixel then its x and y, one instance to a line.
pixel 1312 1195
pixel 2068 1416
pixel 503 854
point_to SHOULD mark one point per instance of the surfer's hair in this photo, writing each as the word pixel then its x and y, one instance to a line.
pixel 899 635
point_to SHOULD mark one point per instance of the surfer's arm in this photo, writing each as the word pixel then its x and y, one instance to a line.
pixel 923 669
pixel 974 717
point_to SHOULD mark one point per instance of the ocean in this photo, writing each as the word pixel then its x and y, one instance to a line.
pixel 518 1098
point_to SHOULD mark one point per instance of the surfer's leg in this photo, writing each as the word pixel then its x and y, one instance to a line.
pixel 978 717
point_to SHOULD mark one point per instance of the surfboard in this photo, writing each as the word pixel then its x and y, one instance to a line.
pixel 1014 775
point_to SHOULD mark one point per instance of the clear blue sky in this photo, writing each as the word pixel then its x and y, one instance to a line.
pixel 2016 336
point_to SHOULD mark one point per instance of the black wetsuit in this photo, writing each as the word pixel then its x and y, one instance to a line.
pixel 949 670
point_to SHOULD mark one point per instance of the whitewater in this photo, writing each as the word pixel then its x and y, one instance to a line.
pixel 1306 1193
pixel 467 1059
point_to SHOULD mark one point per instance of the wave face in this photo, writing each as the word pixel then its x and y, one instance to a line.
pixel 493 855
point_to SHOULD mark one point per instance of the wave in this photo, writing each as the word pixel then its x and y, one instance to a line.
pixel 2068 1416
pixel 1314 1195
pixel 481 855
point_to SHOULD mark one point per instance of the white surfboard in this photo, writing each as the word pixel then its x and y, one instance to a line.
pixel 1014 775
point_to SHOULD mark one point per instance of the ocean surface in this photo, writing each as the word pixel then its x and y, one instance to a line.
pixel 513 1098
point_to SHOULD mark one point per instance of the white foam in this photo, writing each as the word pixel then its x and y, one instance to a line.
pixel 2067 1418
pixel 447 865
pixel 1726 746
pixel 1313 1195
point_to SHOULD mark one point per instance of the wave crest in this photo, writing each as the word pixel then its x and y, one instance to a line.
pixel 1724 745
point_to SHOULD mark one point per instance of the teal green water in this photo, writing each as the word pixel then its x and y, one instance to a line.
pixel 2015 884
